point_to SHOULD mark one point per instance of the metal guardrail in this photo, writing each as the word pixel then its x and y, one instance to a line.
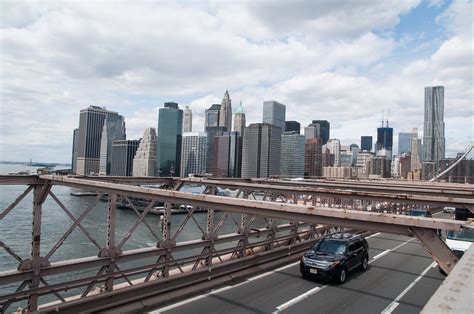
pixel 241 248
pixel 215 253
pixel 455 293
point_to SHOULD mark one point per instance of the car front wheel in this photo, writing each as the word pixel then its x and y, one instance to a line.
pixel 342 276
pixel 365 263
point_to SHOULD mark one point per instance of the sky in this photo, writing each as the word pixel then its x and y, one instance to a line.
pixel 341 61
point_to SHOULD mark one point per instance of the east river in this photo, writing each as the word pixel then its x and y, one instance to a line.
pixel 16 228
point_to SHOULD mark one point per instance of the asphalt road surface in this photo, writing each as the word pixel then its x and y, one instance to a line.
pixel 400 279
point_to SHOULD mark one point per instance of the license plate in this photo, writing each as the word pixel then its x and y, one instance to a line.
pixel 313 271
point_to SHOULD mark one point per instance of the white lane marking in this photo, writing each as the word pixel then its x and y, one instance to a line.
pixel 374 235
pixel 314 290
pixel 438 213
pixel 298 299
pixel 392 306
pixel 184 302
pixel 380 254
pixel 390 250
pixel 175 305
pixel 181 303
pixel 270 272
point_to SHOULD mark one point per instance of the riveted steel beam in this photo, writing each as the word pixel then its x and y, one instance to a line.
pixel 331 216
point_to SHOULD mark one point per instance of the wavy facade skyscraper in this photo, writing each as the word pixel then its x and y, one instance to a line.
pixel 433 130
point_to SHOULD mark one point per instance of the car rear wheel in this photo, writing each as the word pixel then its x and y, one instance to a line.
pixel 365 263
pixel 342 276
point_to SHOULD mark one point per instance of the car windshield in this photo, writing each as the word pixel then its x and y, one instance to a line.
pixel 332 247
pixel 462 235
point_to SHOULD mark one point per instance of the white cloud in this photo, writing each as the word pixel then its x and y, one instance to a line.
pixel 61 57
pixel 457 19
pixel 330 19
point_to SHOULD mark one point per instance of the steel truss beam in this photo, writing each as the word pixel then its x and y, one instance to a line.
pixel 329 216
pixel 19 295
pixel 347 218
pixel 458 197
pixel 32 271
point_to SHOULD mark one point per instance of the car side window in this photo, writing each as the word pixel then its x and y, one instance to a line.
pixel 355 246
pixel 352 247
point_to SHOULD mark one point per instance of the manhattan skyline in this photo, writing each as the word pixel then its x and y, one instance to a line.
pixel 322 61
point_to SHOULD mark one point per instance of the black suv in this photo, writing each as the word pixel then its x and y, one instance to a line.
pixel 333 256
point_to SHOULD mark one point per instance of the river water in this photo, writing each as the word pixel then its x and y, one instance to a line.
pixel 16 227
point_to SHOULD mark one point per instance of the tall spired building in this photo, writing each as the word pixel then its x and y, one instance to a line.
pixel 433 130
pixel 239 120
pixel 225 116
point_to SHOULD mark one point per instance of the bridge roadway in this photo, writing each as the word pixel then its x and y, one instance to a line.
pixel 401 279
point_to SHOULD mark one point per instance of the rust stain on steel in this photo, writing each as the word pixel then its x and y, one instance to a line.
pixel 266 208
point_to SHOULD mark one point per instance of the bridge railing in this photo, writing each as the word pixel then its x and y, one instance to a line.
pixel 38 279
pixel 262 231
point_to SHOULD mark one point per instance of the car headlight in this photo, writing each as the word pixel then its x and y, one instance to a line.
pixel 303 259
pixel 334 264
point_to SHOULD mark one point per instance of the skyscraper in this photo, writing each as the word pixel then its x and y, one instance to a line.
pixel 225 117
pixel 261 151
pixel 404 143
pixel 366 143
pixel 188 120
pixel 384 145
pixel 227 155
pixel 75 140
pixel 212 132
pixel 211 116
pixel 433 130
pixel 380 167
pixel 91 122
pixel 324 129
pixel 354 148
pixel 123 152
pixel 334 146
pixel 168 146
pixel 415 155
pixel 313 162
pixel 274 113
pixel 292 155
pixel 292 126
pixel 312 131
pixel 193 153
pixel 144 162
pixel 239 120
pixel 113 129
